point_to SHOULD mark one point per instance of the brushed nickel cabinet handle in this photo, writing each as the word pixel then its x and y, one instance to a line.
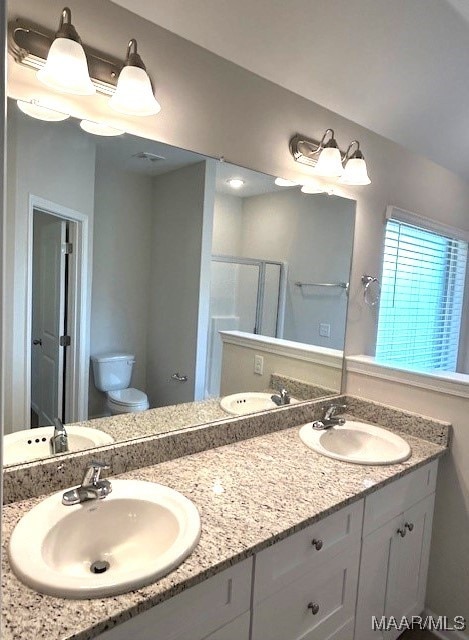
pixel 402 531
pixel 314 607
pixel 409 525
pixel 317 544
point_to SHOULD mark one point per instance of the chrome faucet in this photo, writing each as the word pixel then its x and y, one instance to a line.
pixel 59 441
pixel 91 488
pixel 282 398
pixel 330 418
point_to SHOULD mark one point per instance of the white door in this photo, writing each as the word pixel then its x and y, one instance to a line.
pixel 48 317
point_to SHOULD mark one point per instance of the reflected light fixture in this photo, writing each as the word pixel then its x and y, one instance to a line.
pixel 283 182
pixel 66 68
pixel 36 110
pixel 355 172
pixel 100 128
pixel 235 183
pixel 134 93
pixel 312 187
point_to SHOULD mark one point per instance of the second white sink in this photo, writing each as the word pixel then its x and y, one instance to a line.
pixel 98 548
pixel 238 404
pixel 357 442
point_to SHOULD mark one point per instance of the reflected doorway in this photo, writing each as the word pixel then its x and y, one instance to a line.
pixel 54 296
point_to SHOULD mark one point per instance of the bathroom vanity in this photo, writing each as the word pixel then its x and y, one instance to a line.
pixel 284 531
pixel 306 586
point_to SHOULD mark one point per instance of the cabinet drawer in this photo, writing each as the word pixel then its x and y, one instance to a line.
pixel 195 613
pixel 320 604
pixel 390 501
pixel 287 560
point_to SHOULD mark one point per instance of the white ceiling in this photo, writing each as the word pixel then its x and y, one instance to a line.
pixel 398 67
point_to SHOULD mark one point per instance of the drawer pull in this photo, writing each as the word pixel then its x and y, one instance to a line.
pixel 402 532
pixel 317 544
pixel 409 525
pixel 314 608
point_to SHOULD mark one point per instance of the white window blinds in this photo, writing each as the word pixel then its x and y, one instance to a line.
pixel 421 298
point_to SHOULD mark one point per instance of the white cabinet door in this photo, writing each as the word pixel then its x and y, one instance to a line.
pixel 408 563
pixel 393 571
pixel 236 630
pixel 319 605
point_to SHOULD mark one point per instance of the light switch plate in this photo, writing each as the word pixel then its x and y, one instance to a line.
pixel 324 329
pixel 258 365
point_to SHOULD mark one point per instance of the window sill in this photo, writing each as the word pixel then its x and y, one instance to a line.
pixel 455 384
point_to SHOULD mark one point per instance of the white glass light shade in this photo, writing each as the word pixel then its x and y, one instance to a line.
pixel 329 163
pixel 355 173
pixel 66 68
pixel 134 93
pixel 35 110
pixel 100 129
pixel 312 188
pixel 283 182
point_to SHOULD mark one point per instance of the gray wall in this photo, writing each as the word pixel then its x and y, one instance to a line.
pixel 121 267
pixel 178 266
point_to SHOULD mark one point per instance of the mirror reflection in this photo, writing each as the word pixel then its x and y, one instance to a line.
pixel 141 276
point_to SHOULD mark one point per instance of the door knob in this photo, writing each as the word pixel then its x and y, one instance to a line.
pixel 37 341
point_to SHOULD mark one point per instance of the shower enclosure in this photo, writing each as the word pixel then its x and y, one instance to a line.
pixel 248 295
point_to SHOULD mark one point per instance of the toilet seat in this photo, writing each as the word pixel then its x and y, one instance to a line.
pixel 128 397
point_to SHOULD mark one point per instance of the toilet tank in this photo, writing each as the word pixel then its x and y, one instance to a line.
pixel 112 371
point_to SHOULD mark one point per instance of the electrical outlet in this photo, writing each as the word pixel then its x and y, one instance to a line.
pixel 324 329
pixel 258 365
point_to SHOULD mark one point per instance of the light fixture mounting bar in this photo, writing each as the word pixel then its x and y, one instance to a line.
pixel 306 150
pixel 29 45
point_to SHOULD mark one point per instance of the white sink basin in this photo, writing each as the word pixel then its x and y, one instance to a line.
pixel 33 444
pixel 357 442
pixel 142 529
pixel 239 404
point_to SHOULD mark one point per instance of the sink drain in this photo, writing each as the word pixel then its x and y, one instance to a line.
pixel 100 566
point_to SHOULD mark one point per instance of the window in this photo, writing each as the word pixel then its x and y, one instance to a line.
pixel 421 296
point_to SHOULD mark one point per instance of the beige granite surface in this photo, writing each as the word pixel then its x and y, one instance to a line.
pixel 37 478
pixel 273 486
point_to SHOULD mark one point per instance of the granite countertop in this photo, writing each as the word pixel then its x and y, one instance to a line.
pixel 273 486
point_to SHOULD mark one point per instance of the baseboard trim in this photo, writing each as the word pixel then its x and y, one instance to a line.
pixel 447 635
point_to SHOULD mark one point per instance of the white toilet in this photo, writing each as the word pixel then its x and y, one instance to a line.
pixel 112 374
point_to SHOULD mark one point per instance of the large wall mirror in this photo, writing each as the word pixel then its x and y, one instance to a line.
pixel 210 279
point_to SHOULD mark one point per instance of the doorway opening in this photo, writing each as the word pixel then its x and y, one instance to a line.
pixel 55 343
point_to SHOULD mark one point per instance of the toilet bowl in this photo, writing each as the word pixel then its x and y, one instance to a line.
pixel 112 375
pixel 127 401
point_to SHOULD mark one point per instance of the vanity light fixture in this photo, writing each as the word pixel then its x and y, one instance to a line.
pixel 66 67
pixel 355 172
pixel 36 110
pixel 235 183
pixel 283 182
pixel 100 128
pixel 327 160
pixel 134 93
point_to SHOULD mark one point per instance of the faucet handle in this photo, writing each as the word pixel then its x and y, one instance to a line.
pixel 93 473
pixel 332 409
